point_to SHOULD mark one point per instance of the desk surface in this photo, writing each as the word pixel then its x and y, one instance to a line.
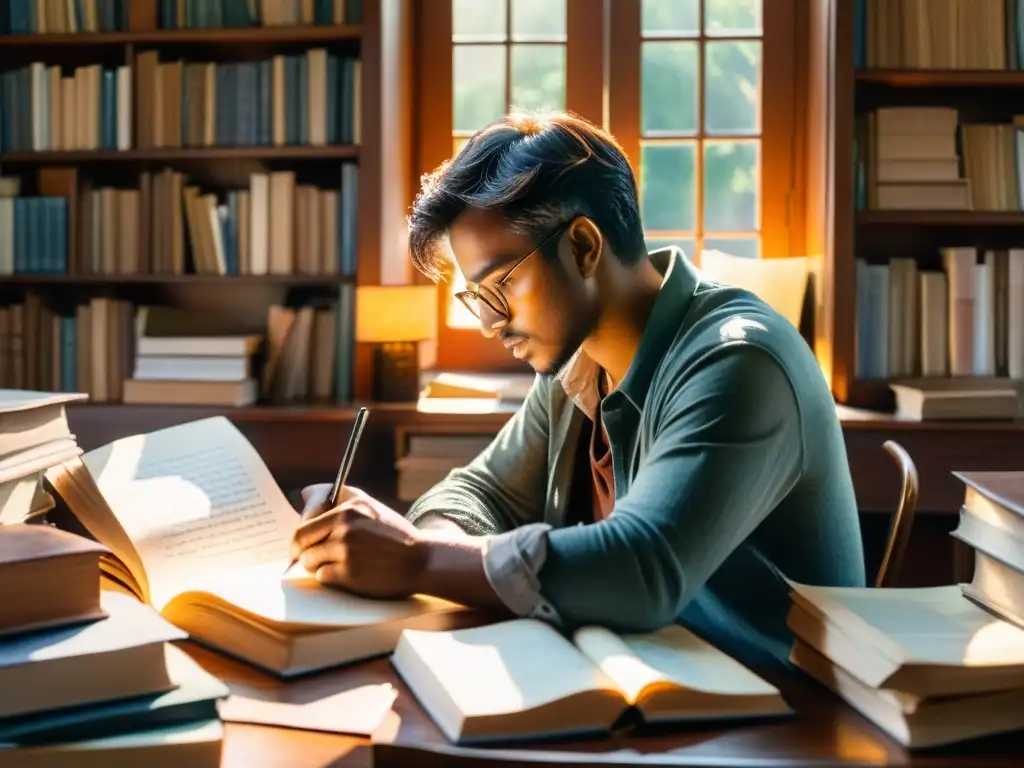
pixel 823 733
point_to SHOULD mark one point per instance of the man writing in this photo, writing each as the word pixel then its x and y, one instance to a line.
pixel 678 455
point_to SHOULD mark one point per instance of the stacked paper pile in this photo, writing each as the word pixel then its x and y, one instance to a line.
pixel 992 524
pixel 927 665
pixel 34 436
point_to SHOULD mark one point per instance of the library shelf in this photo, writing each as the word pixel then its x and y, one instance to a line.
pixel 306 34
pixel 942 218
pixel 171 154
pixel 941 78
pixel 164 279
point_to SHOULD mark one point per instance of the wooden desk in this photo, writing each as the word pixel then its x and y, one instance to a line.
pixel 822 734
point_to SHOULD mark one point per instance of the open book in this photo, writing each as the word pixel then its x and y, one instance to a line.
pixel 199 529
pixel 522 679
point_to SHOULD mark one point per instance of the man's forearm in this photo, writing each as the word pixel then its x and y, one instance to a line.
pixel 454 570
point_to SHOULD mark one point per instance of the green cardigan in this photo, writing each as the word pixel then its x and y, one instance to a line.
pixel 730 474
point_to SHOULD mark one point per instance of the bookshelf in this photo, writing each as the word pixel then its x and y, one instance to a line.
pixel 201 97
pixel 855 68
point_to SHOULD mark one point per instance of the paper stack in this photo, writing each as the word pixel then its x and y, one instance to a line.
pixel 925 665
pixel 34 436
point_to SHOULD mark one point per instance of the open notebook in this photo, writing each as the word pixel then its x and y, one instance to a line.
pixel 521 679
pixel 199 529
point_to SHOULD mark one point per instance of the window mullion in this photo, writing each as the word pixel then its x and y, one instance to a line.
pixel 699 169
pixel 778 127
pixel 624 77
pixel 508 53
pixel 585 25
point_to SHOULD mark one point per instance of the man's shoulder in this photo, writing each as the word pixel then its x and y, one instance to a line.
pixel 722 322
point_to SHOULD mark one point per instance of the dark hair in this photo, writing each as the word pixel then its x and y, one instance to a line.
pixel 538 171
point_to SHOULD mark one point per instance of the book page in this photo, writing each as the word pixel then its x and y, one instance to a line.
pixel 196 500
pixel 12 400
pixel 674 656
pixel 504 668
pixel 924 625
pixel 298 601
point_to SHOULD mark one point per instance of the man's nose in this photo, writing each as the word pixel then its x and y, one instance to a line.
pixel 491 322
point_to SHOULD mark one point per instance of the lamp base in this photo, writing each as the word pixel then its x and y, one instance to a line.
pixel 396 372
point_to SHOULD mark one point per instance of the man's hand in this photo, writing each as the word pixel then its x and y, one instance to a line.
pixel 361 545
pixel 365 547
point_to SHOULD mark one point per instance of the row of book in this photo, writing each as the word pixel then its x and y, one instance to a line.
pixel 27 17
pixel 305 99
pixel 168 226
pixel 967 320
pixel 88 675
pixel 308 98
pixel 117 352
pixel 924 158
pixel 215 14
pixel 939 34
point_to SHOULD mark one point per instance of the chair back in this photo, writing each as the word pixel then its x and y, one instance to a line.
pixel 903 520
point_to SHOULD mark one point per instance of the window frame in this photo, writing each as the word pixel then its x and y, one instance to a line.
pixel 592 28
pixel 778 112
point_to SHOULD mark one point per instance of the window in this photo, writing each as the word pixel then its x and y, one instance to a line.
pixel 682 85
pixel 506 55
pixel 700 124
pixel 687 91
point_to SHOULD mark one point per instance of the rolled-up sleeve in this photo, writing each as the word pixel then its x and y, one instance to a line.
pixel 726 449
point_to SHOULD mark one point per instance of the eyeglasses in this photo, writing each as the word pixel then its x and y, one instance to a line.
pixel 475 298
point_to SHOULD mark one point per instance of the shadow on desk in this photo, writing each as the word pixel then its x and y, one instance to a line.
pixel 823 733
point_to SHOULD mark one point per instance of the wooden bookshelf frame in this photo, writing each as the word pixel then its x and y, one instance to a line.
pixel 832 225
pixel 385 185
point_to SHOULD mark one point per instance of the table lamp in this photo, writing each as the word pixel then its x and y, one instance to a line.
pixel 396 318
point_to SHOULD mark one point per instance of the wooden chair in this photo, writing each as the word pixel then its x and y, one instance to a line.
pixel 903 520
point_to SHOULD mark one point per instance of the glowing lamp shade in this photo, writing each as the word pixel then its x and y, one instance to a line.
pixel 396 313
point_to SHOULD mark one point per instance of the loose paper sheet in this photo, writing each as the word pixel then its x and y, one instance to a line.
pixel 358 712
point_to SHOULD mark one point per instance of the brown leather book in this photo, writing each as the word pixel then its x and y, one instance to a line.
pixel 48 578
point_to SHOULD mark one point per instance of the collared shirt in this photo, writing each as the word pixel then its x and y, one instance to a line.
pixel 730 475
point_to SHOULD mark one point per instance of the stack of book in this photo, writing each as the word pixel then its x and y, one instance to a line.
pixel 910 159
pixel 89 675
pixel 34 436
pixel 190 358
pixel 430 457
pixel 927 666
pixel 992 524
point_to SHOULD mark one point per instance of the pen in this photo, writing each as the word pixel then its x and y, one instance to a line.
pixel 343 469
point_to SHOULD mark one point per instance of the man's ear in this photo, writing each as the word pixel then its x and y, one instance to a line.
pixel 587 245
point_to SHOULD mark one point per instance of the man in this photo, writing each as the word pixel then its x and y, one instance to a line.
pixel 678 456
